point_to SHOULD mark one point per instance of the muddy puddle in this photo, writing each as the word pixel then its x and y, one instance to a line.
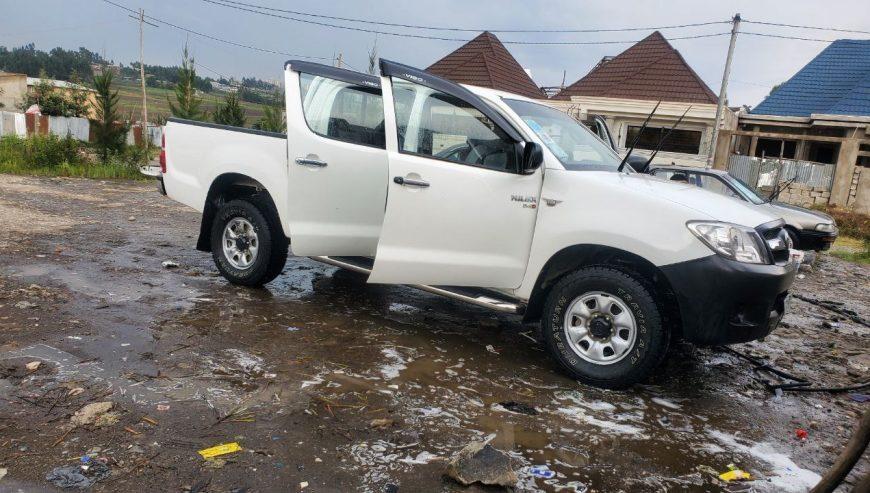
pixel 445 374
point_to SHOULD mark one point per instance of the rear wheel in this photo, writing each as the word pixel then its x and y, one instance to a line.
pixel 604 328
pixel 247 243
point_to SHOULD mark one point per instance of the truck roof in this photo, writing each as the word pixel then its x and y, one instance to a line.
pixel 355 77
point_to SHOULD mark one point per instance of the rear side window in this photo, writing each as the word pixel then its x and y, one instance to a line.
pixel 343 111
pixel 438 125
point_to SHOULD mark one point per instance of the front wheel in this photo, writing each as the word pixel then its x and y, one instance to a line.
pixel 793 239
pixel 604 328
pixel 247 244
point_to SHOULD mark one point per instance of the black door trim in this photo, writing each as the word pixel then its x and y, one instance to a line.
pixel 331 72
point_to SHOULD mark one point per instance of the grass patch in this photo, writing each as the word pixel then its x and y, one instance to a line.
pixel 851 249
pixel 853 242
pixel 130 102
pixel 96 171
pixel 49 155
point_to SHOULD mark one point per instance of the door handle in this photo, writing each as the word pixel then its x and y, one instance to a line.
pixel 410 182
pixel 304 161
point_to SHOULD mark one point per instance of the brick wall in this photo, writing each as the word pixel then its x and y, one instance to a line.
pixel 803 195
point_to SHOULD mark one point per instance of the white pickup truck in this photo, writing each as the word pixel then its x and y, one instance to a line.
pixel 487 197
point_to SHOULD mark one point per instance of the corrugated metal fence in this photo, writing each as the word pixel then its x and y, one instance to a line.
pixel 13 123
pixel 763 173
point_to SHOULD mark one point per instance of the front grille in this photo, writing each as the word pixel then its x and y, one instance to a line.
pixel 775 241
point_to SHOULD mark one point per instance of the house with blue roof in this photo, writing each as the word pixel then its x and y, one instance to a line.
pixel 836 82
pixel 817 121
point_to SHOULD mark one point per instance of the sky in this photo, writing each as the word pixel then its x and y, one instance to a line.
pixel 759 63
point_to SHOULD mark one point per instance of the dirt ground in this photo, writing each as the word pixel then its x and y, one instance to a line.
pixel 330 384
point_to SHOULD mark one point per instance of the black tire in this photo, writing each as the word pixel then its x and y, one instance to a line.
pixel 273 245
pixel 795 239
pixel 646 352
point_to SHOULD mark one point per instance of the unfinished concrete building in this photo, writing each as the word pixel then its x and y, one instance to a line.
pixel 812 131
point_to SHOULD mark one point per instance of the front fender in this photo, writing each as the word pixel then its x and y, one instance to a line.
pixel 593 211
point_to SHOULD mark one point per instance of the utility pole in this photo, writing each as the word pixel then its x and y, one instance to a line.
pixel 142 76
pixel 735 26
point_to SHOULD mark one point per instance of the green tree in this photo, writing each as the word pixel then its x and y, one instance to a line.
pixel 108 133
pixel 230 112
pixel 373 59
pixel 77 96
pixel 72 101
pixel 273 115
pixel 187 104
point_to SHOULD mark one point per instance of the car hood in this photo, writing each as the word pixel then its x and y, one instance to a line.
pixel 799 216
pixel 707 205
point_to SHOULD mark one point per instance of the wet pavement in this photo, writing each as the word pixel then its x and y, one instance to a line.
pixel 331 384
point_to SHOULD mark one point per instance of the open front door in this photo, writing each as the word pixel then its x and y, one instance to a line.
pixel 459 212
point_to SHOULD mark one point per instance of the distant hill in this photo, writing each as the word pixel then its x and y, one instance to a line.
pixel 65 65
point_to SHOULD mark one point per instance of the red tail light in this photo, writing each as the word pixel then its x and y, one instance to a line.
pixel 163 152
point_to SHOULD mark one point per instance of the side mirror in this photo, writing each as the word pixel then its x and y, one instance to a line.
pixel 533 158
pixel 637 163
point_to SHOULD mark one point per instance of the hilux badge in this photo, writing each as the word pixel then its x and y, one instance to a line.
pixel 528 201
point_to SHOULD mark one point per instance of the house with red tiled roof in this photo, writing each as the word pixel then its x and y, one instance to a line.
pixel 623 89
pixel 485 62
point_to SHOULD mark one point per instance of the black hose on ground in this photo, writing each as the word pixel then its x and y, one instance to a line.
pixel 847 460
pixel 797 384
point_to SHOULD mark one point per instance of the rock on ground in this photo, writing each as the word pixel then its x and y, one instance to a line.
pixel 89 414
pixel 481 463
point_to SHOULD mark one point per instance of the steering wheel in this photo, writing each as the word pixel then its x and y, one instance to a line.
pixel 483 150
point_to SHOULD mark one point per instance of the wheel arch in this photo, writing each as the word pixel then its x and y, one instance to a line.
pixel 226 187
pixel 796 234
pixel 576 257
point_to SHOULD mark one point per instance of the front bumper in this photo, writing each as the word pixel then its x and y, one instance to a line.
pixel 722 301
pixel 816 240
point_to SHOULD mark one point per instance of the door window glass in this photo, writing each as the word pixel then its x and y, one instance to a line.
pixel 343 111
pixel 667 174
pixel 435 124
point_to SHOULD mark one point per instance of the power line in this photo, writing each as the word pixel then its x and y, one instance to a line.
pixel 779 36
pixel 459 29
pixel 614 42
pixel 214 38
pixel 440 38
pixel 817 28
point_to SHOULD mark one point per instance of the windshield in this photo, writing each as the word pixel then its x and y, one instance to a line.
pixel 572 143
pixel 745 190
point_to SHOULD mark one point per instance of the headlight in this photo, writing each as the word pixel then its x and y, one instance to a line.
pixel 826 227
pixel 729 240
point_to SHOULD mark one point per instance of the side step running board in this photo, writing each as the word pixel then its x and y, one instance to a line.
pixel 467 295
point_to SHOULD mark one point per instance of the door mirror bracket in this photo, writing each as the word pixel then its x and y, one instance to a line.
pixel 533 157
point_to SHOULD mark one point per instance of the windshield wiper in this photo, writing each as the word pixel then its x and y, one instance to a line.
pixel 779 189
pixel 663 139
pixel 637 138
